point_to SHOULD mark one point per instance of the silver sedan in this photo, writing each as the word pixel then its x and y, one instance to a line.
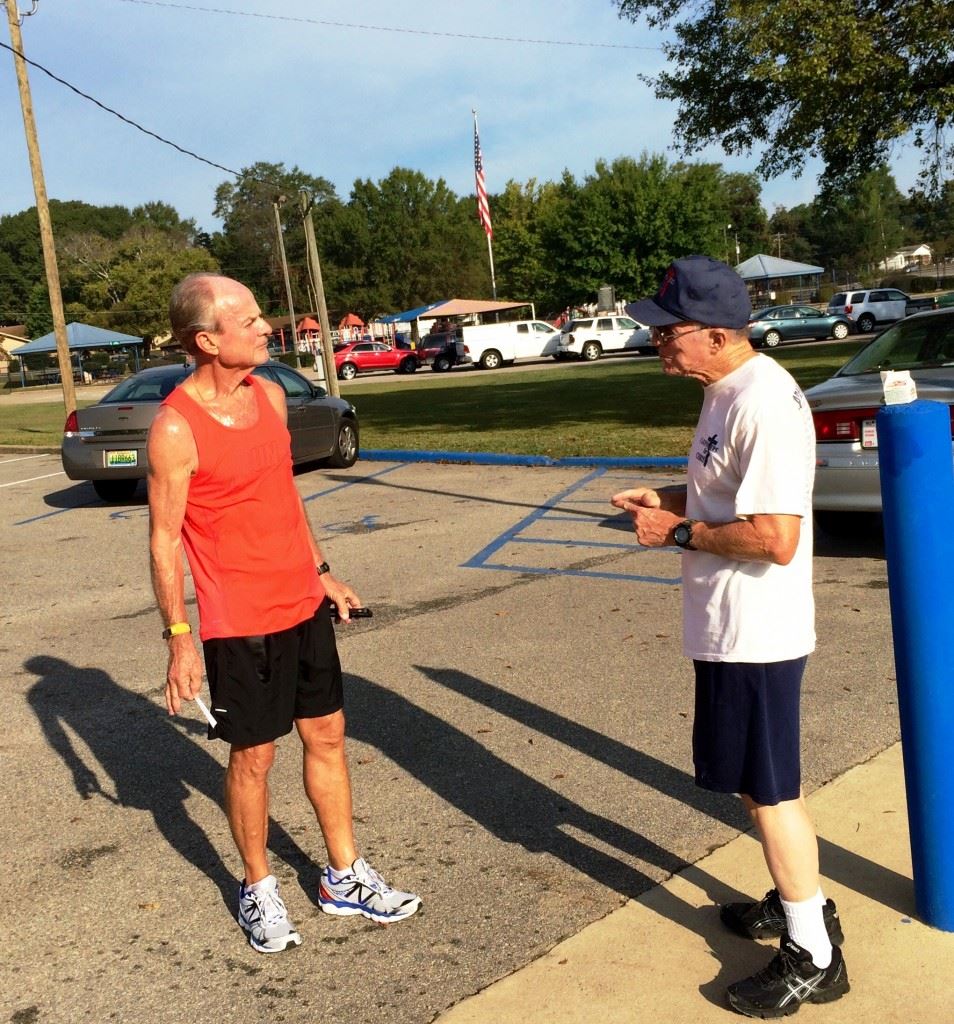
pixel 847 479
pixel 106 443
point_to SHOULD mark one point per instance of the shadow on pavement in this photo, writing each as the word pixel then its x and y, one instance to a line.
pixel 152 762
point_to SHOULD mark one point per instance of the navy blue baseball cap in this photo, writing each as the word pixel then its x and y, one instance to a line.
pixel 697 289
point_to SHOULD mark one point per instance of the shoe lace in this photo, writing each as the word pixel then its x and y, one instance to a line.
pixel 371 878
pixel 270 906
pixel 781 965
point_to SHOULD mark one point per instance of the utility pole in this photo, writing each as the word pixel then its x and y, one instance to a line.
pixel 288 291
pixel 43 211
pixel 314 267
pixel 778 236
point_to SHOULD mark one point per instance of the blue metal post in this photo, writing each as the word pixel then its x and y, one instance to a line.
pixel 917 486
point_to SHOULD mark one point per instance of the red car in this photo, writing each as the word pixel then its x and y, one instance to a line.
pixel 363 356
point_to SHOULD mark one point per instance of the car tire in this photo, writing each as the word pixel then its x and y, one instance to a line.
pixel 348 371
pixel 408 365
pixel 491 360
pixel 591 351
pixel 771 339
pixel 866 323
pixel 840 331
pixel 441 364
pixel 345 452
pixel 115 490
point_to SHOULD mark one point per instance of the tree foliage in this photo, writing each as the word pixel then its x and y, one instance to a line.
pixel 247 246
pixel 840 80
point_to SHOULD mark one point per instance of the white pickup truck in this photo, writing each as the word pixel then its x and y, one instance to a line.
pixel 492 345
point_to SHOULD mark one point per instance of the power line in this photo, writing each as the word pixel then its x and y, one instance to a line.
pixel 122 117
pixel 391 28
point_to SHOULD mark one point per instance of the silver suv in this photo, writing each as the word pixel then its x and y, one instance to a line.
pixel 867 309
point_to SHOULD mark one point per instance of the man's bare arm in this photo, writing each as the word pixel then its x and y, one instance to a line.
pixel 172 460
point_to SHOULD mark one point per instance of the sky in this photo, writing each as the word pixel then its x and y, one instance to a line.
pixel 344 89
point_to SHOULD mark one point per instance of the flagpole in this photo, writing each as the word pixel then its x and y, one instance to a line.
pixel 490 256
pixel 483 206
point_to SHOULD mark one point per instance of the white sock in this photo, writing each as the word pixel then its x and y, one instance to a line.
pixel 336 876
pixel 806 927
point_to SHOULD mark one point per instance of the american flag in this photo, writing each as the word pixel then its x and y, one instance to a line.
pixel 483 207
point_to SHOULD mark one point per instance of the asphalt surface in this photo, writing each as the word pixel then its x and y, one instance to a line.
pixel 519 717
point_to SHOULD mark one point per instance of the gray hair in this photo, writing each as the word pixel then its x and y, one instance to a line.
pixel 192 308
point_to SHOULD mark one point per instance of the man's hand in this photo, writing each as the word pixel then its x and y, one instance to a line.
pixel 184 674
pixel 652 521
pixel 341 594
pixel 638 497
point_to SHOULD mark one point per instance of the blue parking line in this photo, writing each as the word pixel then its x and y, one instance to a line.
pixel 595 574
pixel 349 483
pixel 482 560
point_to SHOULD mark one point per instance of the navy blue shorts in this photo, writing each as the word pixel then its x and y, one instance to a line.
pixel 260 684
pixel 745 737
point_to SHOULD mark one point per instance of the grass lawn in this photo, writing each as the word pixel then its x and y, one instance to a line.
pixel 617 406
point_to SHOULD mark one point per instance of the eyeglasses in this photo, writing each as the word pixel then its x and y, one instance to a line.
pixel 663 336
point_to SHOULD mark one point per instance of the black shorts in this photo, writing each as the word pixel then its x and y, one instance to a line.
pixel 745 737
pixel 261 684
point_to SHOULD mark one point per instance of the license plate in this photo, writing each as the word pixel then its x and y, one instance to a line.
pixel 123 458
pixel 869 434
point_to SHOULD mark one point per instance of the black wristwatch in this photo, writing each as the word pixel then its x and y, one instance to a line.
pixel 323 568
pixel 682 534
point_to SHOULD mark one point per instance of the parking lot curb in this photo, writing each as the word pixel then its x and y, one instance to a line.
pixel 499 459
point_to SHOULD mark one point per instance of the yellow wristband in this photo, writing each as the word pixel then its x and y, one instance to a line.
pixel 176 629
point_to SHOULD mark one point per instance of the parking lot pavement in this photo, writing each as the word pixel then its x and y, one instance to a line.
pixel 518 709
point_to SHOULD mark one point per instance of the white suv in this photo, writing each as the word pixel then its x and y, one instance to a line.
pixel 591 337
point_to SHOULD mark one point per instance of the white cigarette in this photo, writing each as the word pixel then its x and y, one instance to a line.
pixel 209 717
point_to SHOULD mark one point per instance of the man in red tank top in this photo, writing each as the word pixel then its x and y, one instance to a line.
pixel 221 492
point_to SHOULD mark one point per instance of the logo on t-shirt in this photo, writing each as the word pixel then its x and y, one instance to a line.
pixel 709 445
pixel 799 397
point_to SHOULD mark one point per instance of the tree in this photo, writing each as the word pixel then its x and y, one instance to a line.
pixel 799 78
pixel 247 247
pixel 416 240
pixel 124 284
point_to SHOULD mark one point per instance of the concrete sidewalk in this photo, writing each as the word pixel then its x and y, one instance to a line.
pixel 665 957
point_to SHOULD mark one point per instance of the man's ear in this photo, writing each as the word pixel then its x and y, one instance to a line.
pixel 718 339
pixel 205 342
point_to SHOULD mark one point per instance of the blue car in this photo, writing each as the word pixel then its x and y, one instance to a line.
pixel 775 324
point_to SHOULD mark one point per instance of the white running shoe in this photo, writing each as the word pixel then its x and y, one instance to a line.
pixel 263 917
pixel 363 891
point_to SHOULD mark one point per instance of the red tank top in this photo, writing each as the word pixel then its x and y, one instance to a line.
pixel 244 532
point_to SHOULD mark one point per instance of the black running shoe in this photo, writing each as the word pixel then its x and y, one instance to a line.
pixel 789 980
pixel 766 919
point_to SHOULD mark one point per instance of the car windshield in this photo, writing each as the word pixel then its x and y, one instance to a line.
pixel 912 344
pixel 148 387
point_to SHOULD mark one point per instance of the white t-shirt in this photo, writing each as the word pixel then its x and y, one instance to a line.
pixel 753 452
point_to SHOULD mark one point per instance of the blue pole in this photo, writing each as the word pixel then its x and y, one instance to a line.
pixel 917 486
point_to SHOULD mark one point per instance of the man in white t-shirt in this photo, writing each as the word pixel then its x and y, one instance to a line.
pixel 744 524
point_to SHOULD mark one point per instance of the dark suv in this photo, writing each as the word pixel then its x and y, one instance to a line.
pixel 443 351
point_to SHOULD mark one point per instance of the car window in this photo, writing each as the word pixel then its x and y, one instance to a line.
pixel 808 312
pixel 626 324
pixel 294 385
pixel 579 325
pixel 838 300
pixel 857 297
pixel 604 324
pixel 878 297
pixel 896 296
pixel 523 329
pixel 149 387
pixel 543 328
pixel 363 347
pixel 909 345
